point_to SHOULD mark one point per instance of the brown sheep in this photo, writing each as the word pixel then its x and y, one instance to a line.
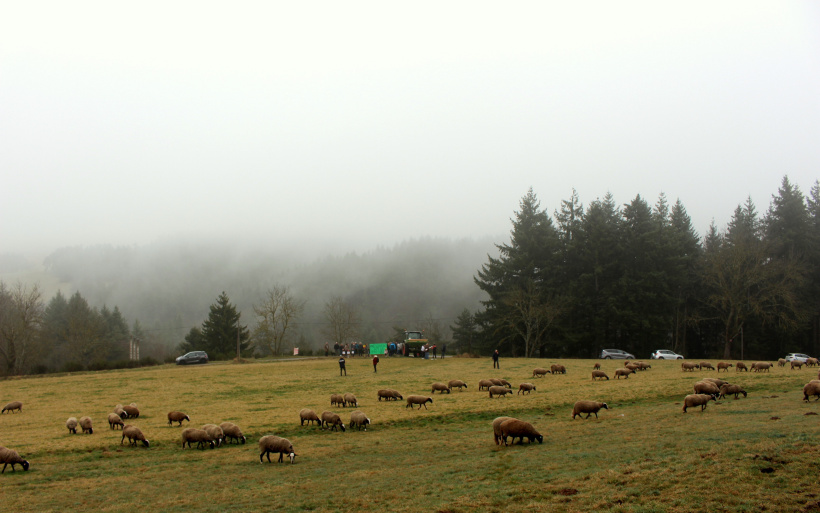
pixel 418 399
pixel 588 407
pixel 200 436
pixel 499 390
pixel 689 366
pixel 133 434
pixel 706 387
pixel 723 365
pixel 540 373
pixel 600 374
pixel 332 420
pixel 485 384
pixel 457 383
pixel 731 389
pixel 85 423
pixel 177 416
pixel 131 410
pixel 120 412
pixel 797 364
pixel 690 401
pixel 10 457
pixel 497 429
pixel 115 420
pixel 811 388
pixel 740 366
pixel 337 399
pixel 12 406
pixel 717 381
pixel 811 362
pixel 359 420
pixel 597 366
pixel 557 368
pixel 273 444
pixel 519 429
pixel 388 394
pixel 441 387
pixel 71 424
pixel 308 415
pixel 643 366
pixel 215 432
pixel 781 362
pixel 232 432
pixel 761 366
pixel 526 387
pixel 631 366
pixel 623 372
pixel 706 365
pixel 351 399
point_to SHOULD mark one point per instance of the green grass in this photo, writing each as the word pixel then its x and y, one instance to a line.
pixel 641 455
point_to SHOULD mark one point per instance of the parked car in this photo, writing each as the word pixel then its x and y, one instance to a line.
pixel 666 354
pixel 193 357
pixel 616 354
pixel 797 357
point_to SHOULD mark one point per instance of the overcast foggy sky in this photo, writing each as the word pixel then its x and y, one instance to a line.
pixel 359 124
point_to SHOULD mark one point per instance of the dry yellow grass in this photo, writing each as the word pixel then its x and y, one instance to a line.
pixel 643 454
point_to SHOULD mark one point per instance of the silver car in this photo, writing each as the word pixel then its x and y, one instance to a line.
pixel 616 354
pixel 666 354
pixel 797 357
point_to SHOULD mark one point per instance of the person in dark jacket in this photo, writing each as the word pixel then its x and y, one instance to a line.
pixel 495 360
pixel 342 366
pixel 375 361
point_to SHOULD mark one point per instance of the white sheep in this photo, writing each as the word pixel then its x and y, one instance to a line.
pixel 85 423
pixel 71 424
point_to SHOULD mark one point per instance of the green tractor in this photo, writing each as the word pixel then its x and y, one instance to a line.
pixel 413 340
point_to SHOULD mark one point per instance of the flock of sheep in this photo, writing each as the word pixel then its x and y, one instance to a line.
pixel 504 428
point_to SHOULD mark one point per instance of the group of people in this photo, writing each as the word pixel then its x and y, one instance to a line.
pixel 426 349
pixel 352 349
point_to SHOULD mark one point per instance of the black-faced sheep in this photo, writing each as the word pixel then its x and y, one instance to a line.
pixel 728 389
pixel 526 388
pixel 71 424
pixel 505 383
pixel 811 388
pixel 215 432
pixel 359 420
pixel 120 412
pixel 232 432
pixel 200 436
pixel 692 400
pixel 12 407
pixel 540 372
pixel 623 372
pixel 10 457
pixel 588 407
pixel 600 375
pixel 350 399
pixel 496 382
pixel 497 428
pixel 689 366
pixel 418 399
pixel 519 429
pixel 740 366
pixel 723 365
pixel 332 420
pixel 115 420
pixel 177 416
pixel 85 423
pixel 388 394
pixel 457 383
pixel 706 387
pixel 499 390
pixel 134 435
pixel 274 444
pixel 761 366
pixel 485 384
pixel 131 410
pixel 441 387
pixel 706 365
pixel 337 400
pixel 308 415
pixel 557 368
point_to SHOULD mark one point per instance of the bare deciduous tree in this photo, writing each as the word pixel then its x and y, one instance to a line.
pixel 276 314
pixel 530 316
pixel 343 321
pixel 21 317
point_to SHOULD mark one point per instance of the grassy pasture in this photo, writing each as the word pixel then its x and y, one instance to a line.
pixel 643 454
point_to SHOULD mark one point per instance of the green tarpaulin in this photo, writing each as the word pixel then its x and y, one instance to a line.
pixel 379 349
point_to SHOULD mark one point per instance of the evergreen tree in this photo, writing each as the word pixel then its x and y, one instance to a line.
pixel 117 334
pixel 465 331
pixel 219 331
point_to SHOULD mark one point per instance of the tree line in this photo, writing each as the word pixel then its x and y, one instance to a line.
pixel 638 277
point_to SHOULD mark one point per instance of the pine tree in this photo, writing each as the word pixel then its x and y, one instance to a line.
pixel 219 331
pixel 465 331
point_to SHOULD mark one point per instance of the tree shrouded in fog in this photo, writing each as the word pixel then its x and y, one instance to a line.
pixel 21 317
pixel 343 323
pixel 219 331
pixel 275 316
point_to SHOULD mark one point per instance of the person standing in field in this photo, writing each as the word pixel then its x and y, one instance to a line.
pixel 443 350
pixel 342 366
pixel 495 360
pixel 434 352
pixel 375 361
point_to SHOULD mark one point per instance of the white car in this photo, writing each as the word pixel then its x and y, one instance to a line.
pixel 666 354
pixel 797 357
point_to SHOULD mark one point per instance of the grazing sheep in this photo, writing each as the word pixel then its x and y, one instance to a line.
pixel 519 429
pixel 499 390
pixel 597 366
pixel 588 407
pixel 274 444
pixel 441 387
pixel 540 373
pixel 332 420
pixel 706 365
pixel 761 366
pixel 811 388
pixel 485 384
pixel 350 399
pixel 496 382
pixel 723 365
pixel 337 399
pixel 120 412
pixel 811 362
pixel 14 405
pixel 497 428
pixel 10 457
pixel 71 424
pixel 526 387
pixel 215 432
pixel 308 415
pixel 692 400
pixel 388 394
pixel 557 368
pixel 200 436
pixel 600 374
pixel 115 420
pixel 85 423
pixel 689 366
pixel 359 420
pixel 731 389
pixel 633 367
pixel 797 364
pixel 781 362
pixel 133 434
pixel 707 387
pixel 457 383
pixel 505 383
pixel 643 366
pixel 177 416
pixel 739 366
pixel 418 399
pixel 716 381
pixel 623 372
pixel 131 410
pixel 232 432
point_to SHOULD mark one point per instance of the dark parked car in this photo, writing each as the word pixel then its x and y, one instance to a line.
pixel 616 354
pixel 193 357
